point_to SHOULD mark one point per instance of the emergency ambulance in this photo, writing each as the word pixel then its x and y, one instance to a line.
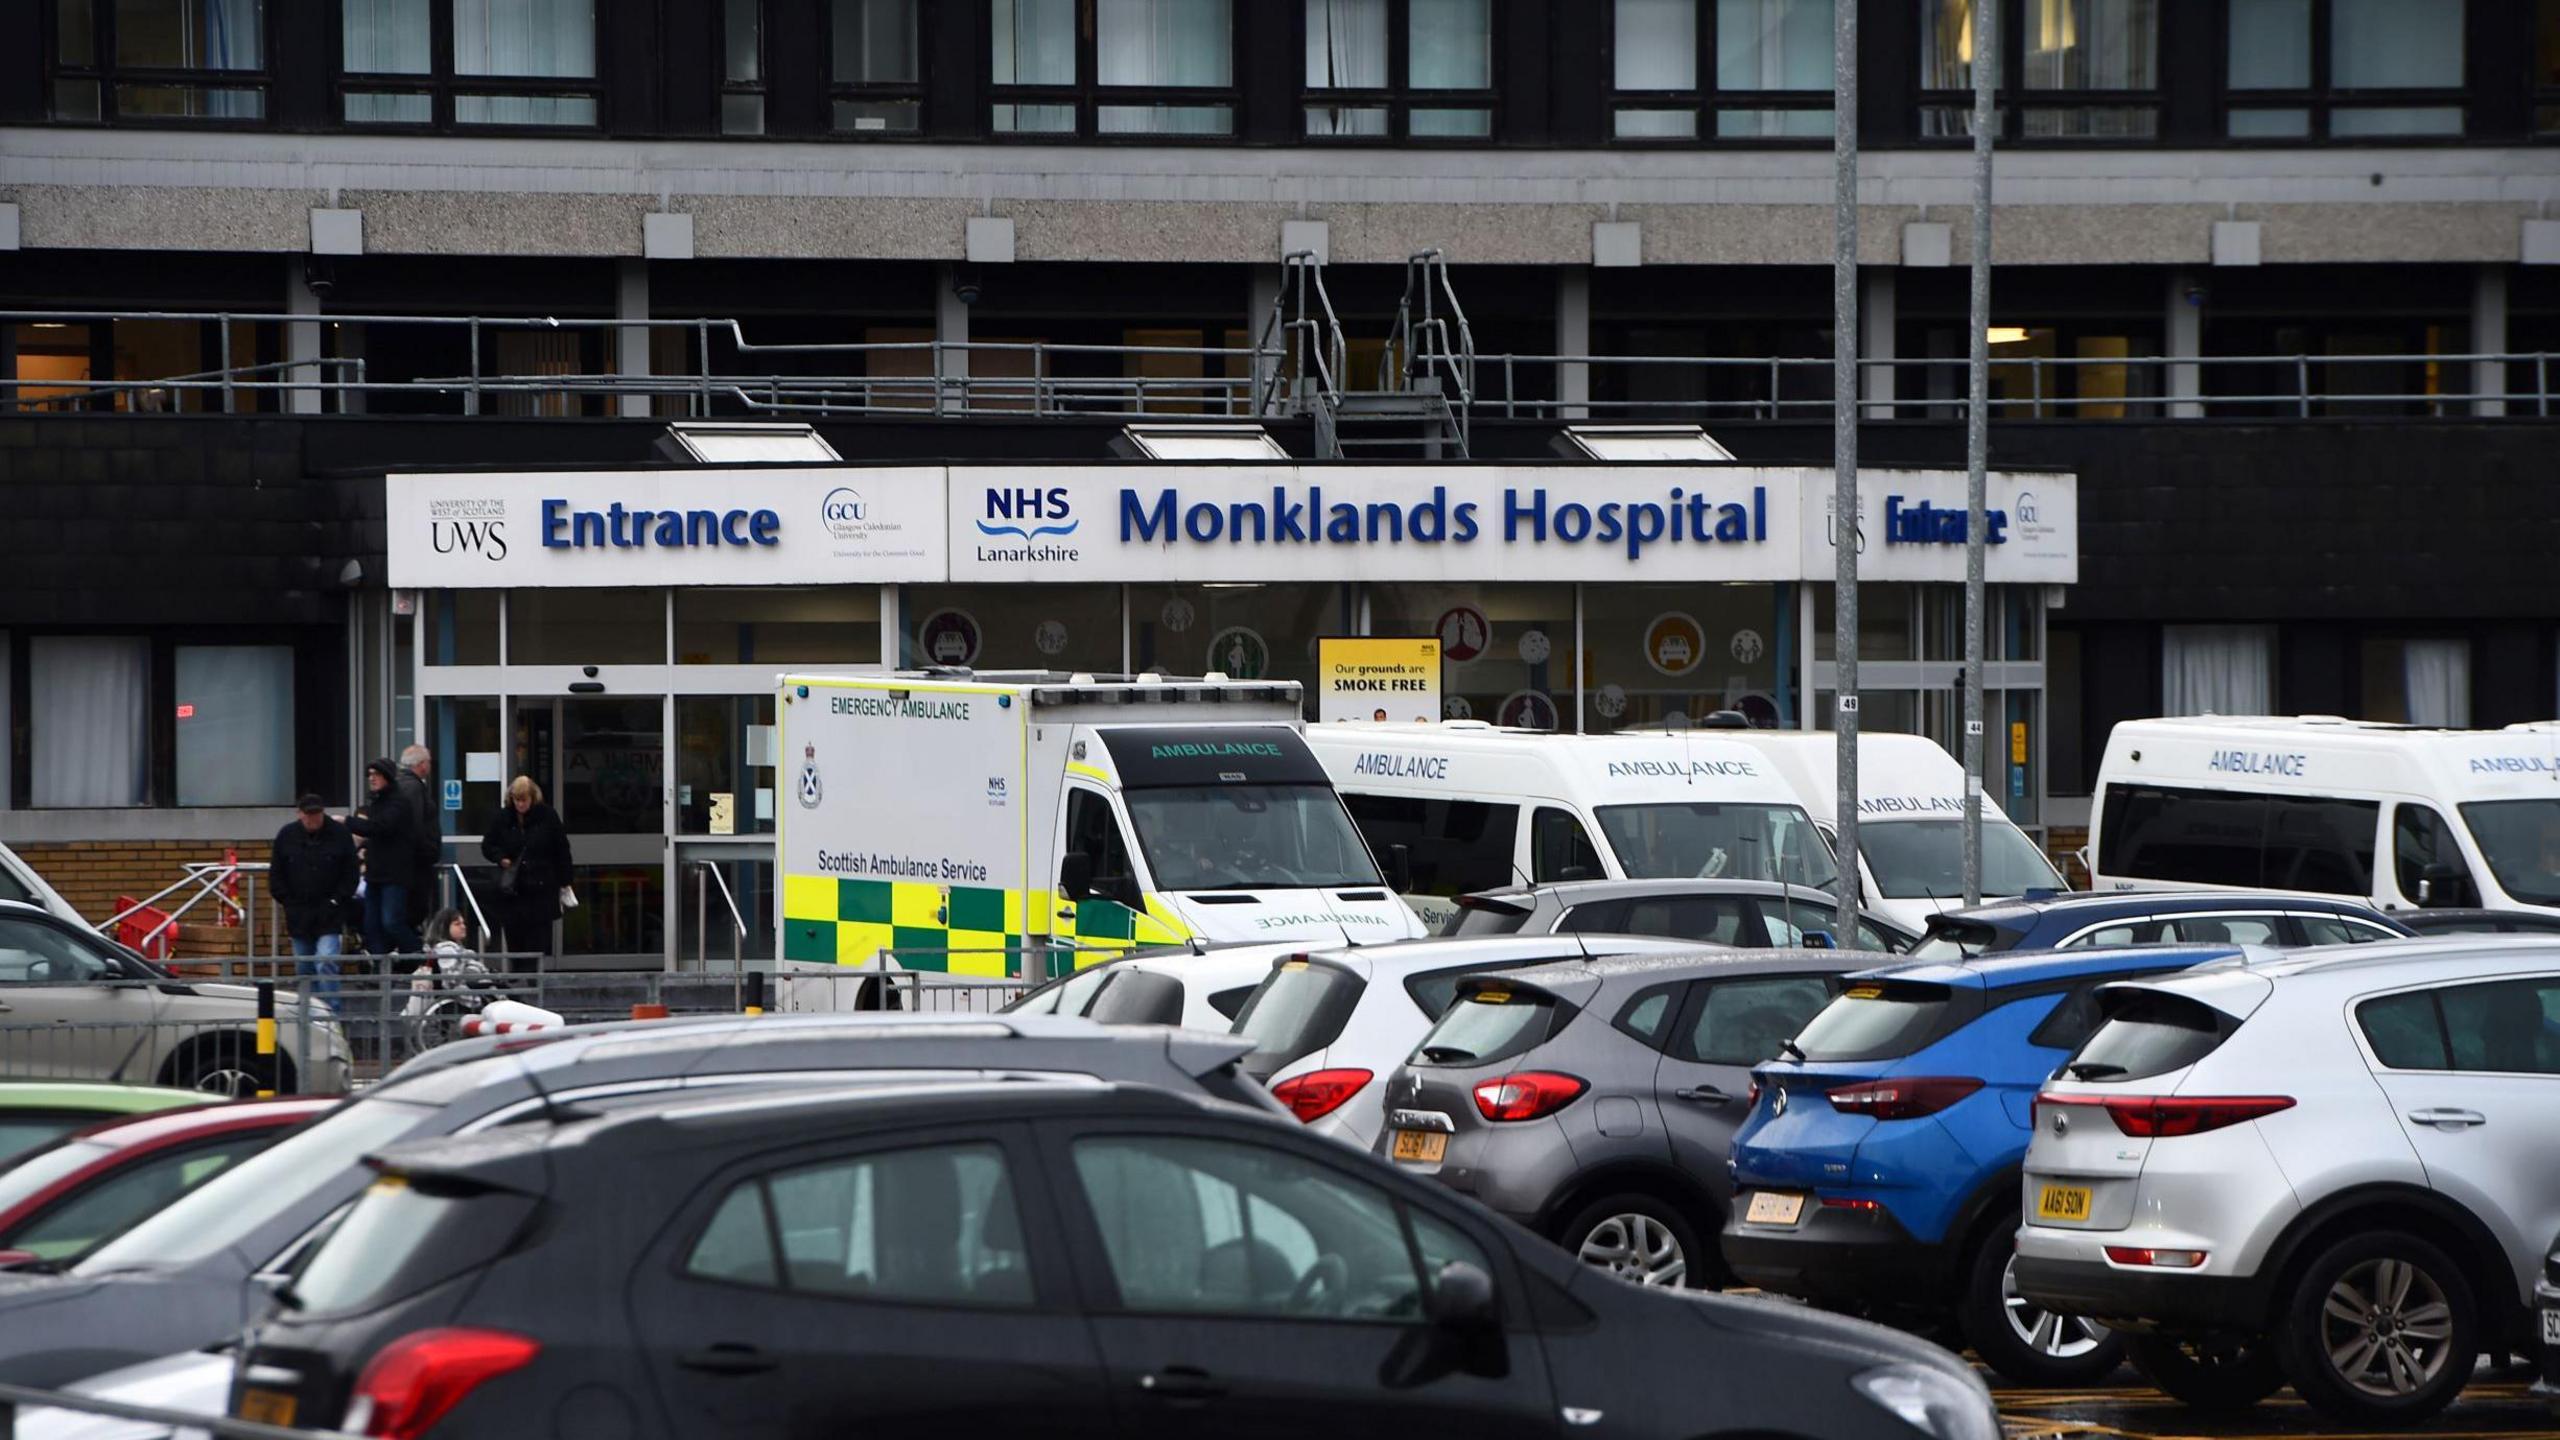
pixel 1910 821
pixel 1466 806
pixel 2399 815
pixel 940 820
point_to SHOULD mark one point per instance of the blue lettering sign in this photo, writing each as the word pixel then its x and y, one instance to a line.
pixel 1163 517
pixel 1677 770
pixel 2257 762
pixel 1401 767
pixel 622 527
pixel 1926 524
pixel 2513 765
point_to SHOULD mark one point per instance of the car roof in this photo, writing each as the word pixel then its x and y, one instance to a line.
pixel 1496 949
pixel 1704 960
pixel 1579 891
pixel 2101 904
pixel 2425 956
pixel 2036 967
pixel 100 1097
pixel 190 1122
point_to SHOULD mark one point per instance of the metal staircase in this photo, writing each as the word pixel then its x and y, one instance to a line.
pixel 1418 396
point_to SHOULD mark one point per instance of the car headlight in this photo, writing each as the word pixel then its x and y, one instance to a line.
pixel 1932 1402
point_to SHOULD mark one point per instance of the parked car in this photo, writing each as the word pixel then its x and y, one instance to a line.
pixel 2478 922
pixel 1594 1101
pixel 1878 1165
pixel 78 1006
pixel 35 1113
pixel 20 884
pixel 1202 990
pixel 1065 1260
pixel 1753 913
pixel 1326 1026
pixel 2546 1302
pixel 2155 917
pixel 183 1278
pixel 193 1382
pixel 61 1202
pixel 2339 1169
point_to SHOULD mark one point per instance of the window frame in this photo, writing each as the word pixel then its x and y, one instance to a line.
pixel 1705 100
pixel 885 92
pixel 2012 99
pixel 443 85
pixel 1086 95
pixel 1399 97
pixel 107 73
pixel 2321 98
pixel 760 88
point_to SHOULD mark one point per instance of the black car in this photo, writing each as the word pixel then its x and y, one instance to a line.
pixel 1057 1258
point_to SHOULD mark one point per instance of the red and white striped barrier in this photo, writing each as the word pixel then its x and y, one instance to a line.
pixel 511 1017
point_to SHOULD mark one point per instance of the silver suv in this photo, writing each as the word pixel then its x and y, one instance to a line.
pixel 2339 1168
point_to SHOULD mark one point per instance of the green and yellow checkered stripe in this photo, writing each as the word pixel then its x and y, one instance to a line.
pixel 961 929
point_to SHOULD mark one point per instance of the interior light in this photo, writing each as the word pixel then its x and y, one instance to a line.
pixel 2006 334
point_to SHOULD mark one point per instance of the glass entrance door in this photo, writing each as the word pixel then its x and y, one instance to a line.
pixel 601 762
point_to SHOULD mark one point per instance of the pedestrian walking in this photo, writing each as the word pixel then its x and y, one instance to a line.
pixel 417 783
pixel 530 847
pixel 390 833
pixel 311 872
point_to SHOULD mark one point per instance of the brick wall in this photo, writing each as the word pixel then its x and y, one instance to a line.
pixel 92 873
pixel 2061 845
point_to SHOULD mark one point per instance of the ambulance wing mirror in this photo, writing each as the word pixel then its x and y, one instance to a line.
pixel 2439 884
pixel 1075 875
pixel 1400 869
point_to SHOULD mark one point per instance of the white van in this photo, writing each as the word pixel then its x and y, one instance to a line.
pixel 2402 816
pixel 1910 821
pixel 1471 807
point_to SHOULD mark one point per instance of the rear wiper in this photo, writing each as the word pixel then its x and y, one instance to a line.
pixel 2093 1070
pixel 1443 1054
pixel 1791 1050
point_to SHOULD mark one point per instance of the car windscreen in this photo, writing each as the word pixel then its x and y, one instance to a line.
pixel 1924 859
pixel 402 1237
pixel 1489 1024
pixel 1298 1010
pixel 2521 841
pixel 232 1206
pixel 1883 1020
pixel 2148 1033
pixel 1248 837
pixel 1703 840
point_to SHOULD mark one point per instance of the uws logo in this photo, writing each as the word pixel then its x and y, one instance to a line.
pixel 1018 508
pixel 844 511
pixel 468 527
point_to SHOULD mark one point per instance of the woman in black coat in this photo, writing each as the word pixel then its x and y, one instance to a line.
pixel 530 847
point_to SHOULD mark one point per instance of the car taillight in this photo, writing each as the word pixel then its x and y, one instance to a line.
pixel 418 1378
pixel 1528 1095
pixel 1752 1100
pixel 1903 1099
pixel 2157 1117
pixel 2155 1259
pixel 1319 1093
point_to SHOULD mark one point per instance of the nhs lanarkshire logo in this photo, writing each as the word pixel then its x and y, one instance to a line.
pixel 1031 518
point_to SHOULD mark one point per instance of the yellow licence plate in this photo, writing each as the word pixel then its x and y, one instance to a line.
pixel 266 1407
pixel 1774 1207
pixel 2062 1202
pixel 1422 1147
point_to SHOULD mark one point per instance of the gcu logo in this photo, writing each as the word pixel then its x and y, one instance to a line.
pixel 844 511
pixel 1023 506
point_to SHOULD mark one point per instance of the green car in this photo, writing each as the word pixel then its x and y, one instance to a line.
pixel 35 1111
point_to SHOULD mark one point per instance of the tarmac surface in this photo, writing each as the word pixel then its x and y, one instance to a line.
pixel 2496 1406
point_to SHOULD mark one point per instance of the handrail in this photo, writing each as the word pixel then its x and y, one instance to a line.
pixel 737 924
pixel 479 921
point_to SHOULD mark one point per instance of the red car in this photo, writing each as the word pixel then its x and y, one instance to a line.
pixel 61 1202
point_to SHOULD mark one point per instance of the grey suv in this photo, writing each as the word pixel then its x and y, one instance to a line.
pixel 1595 1101
pixel 1751 914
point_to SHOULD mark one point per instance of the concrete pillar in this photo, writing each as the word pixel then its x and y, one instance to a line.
pixel 950 328
pixel 2489 337
pixel 2185 330
pixel 631 342
pixel 1261 297
pixel 301 341
pixel 1573 337
pixel 1876 342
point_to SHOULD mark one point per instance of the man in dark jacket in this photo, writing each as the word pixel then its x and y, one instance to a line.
pixel 311 872
pixel 417 783
pixel 390 832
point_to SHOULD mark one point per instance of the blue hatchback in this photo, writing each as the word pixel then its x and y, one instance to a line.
pixel 1877 1168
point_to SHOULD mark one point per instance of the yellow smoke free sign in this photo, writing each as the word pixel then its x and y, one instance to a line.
pixel 1377 679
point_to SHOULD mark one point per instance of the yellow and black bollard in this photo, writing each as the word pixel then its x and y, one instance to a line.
pixel 755 992
pixel 266 1039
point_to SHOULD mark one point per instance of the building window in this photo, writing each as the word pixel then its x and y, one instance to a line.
pixel 1770 61
pixel 235 724
pixel 742 67
pixel 2344 69
pixel 1399 69
pixel 1086 68
pixel 2070 69
pixel 155 60
pixel 525 64
pixel 89 713
pixel 2546 67
pixel 2217 670
pixel 2418 682
pixel 873 80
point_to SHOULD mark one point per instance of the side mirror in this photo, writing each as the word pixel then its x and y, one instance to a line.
pixel 2439 884
pixel 1075 875
pixel 1400 869
pixel 1462 1299
pixel 1576 872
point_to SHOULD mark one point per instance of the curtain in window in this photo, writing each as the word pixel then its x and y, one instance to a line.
pixel 2093 44
pixel 385 37
pixel 190 34
pixel 90 722
pixel 1346 44
pixel 1034 42
pixel 1774 45
pixel 235 724
pixel 1657 44
pixel 524 37
pixel 2437 674
pixel 1451 44
pixel 2395 44
pixel 1164 42
pixel 1946 44
pixel 2217 670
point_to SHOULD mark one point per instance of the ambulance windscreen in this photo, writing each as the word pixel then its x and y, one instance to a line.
pixel 1706 841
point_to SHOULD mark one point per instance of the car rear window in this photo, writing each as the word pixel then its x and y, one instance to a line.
pixel 404 1236
pixel 1138 997
pixel 1230 1002
pixel 2148 1033
pixel 1884 1019
pixel 1436 990
pixel 1297 1010
pixel 1491 915
pixel 1962 940
pixel 1489 1024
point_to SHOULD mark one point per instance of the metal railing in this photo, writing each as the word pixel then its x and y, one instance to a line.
pixel 707 873
pixel 23 1403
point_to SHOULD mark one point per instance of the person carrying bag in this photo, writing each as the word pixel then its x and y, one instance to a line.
pixel 530 847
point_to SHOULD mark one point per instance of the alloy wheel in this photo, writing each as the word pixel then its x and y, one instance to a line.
pixel 2386 1327
pixel 1637 1248
pixel 2048 1333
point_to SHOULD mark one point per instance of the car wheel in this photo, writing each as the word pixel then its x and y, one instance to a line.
pixel 222 1065
pixel 2025 1342
pixel 2380 1329
pixel 2213 1377
pixel 1640 1240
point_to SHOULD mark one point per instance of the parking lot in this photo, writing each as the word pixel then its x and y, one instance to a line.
pixel 2125 1409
